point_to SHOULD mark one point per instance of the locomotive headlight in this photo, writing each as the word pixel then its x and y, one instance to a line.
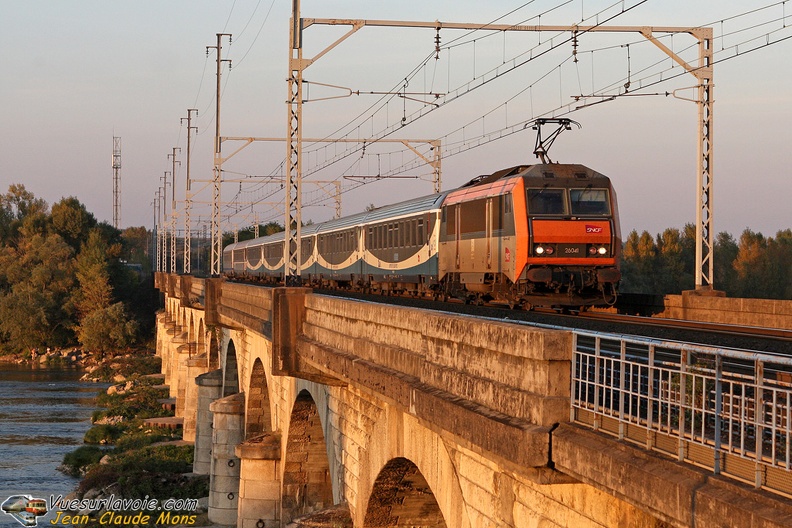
pixel 540 250
pixel 602 250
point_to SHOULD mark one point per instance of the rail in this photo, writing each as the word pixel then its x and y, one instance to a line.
pixel 726 410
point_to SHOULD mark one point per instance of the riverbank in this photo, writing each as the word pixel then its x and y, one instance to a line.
pixel 124 458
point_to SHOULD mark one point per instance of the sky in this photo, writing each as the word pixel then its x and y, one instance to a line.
pixel 76 74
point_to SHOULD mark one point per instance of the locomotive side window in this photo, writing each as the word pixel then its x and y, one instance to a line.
pixel 450 219
pixel 546 201
pixel 421 231
pixel 589 201
pixel 473 217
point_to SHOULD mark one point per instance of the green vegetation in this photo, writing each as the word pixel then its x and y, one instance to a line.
pixel 77 461
pixel 64 278
pixel 132 463
pixel 755 266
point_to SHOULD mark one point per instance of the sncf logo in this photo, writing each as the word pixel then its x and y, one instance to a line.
pixel 593 229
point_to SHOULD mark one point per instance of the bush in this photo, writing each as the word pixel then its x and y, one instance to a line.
pixel 139 440
pixel 78 461
pixel 102 434
pixel 98 477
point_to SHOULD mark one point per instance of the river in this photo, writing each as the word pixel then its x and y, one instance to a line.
pixel 44 413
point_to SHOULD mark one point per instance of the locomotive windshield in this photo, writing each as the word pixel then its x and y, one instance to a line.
pixel 589 201
pixel 546 201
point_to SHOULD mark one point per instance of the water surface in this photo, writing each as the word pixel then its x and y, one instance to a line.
pixel 44 414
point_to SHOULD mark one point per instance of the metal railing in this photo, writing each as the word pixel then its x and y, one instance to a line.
pixel 726 410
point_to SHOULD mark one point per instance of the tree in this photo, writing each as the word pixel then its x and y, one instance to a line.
pixel 750 264
pixel 17 205
pixel 71 220
pixel 108 329
pixel 95 292
pixel 136 246
pixel 670 275
pixel 725 253
pixel 36 280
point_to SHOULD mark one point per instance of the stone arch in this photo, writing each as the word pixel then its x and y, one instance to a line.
pixel 402 497
pixel 306 481
pixel 231 372
pixel 258 418
pixel 398 435
pixel 214 350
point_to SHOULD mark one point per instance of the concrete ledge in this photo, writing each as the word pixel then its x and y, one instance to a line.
pixel 721 501
pixel 679 494
pixel 234 404
pixel 264 447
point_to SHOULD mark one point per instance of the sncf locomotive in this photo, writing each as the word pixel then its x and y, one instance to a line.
pixel 532 235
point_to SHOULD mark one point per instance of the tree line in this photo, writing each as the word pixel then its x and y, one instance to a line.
pixel 755 266
pixel 65 278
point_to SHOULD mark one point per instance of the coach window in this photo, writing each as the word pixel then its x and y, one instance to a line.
pixel 546 202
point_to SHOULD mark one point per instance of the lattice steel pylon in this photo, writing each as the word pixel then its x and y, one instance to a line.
pixel 217 235
pixel 294 153
pixel 117 182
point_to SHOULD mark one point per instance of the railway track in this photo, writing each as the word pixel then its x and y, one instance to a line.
pixel 769 340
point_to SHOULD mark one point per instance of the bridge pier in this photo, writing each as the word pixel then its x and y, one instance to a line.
pixel 229 429
pixel 195 367
pixel 209 388
pixel 259 482
pixel 182 379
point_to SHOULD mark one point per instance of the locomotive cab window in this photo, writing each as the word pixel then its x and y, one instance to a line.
pixel 546 201
pixel 589 201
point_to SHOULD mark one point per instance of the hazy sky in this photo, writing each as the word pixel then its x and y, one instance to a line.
pixel 77 73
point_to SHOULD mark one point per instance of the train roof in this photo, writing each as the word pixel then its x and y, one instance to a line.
pixel 405 208
pixel 398 210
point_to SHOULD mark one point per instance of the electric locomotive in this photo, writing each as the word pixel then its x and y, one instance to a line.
pixel 545 234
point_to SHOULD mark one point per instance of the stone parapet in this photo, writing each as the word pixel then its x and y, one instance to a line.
pixel 519 371
pixel 765 313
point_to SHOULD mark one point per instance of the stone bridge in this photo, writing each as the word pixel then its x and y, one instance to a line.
pixel 308 410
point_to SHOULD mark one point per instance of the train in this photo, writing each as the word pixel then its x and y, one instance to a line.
pixel 545 234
